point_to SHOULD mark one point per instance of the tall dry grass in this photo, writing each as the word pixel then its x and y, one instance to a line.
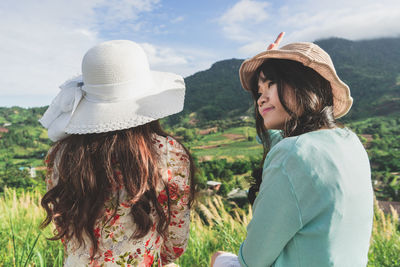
pixel 385 242
pixel 215 226
pixel 21 242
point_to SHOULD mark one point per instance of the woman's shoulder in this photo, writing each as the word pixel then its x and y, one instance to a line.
pixel 281 151
pixel 174 160
pixel 311 146
pixel 312 157
pixel 170 147
pixel 315 138
pixel 327 143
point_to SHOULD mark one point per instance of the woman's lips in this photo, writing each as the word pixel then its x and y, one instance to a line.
pixel 265 110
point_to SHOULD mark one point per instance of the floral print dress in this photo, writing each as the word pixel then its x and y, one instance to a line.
pixel 115 228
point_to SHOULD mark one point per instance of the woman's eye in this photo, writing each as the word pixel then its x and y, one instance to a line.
pixel 270 84
pixel 263 79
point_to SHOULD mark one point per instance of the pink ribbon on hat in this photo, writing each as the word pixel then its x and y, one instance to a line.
pixel 61 109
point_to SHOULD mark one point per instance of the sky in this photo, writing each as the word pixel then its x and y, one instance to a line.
pixel 42 42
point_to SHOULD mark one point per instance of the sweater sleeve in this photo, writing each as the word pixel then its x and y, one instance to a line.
pixel 276 219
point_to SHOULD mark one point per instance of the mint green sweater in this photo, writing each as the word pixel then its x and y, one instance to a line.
pixel 315 205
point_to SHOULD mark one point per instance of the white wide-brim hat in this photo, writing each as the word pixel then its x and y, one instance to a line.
pixel 117 90
pixel 310 55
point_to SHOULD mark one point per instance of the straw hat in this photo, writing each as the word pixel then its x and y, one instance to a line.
pixel 117 90
pixel 310 55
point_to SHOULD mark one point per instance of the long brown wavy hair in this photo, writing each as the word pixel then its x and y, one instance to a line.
pixel 312 95
pixel 85 170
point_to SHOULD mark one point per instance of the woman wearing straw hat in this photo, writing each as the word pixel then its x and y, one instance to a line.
pixel 119 188
pixel 315 203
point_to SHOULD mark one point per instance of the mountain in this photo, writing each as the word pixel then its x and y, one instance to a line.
pixel 371 68
pixel 217 91
pixel 214 97
pixel 215 94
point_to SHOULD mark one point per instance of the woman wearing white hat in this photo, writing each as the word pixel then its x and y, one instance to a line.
pixel 119 188
pixel 315 202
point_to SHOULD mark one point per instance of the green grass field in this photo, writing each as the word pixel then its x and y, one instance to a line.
pixel 231 144
pixel 213 228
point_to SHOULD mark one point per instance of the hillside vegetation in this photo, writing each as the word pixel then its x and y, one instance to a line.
pixel 217 123
pixel 217 126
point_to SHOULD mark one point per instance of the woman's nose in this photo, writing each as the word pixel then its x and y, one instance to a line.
pixel 262 99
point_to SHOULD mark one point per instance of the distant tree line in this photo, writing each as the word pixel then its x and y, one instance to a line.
pixel 381 137
pixel 224 171
pixel 13 177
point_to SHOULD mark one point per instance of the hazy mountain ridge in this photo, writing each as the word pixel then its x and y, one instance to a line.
pixel 371 68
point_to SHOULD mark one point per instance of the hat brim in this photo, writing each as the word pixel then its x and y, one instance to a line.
pixel 342 101
pixel 95 117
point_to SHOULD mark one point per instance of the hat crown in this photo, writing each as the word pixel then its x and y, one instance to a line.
pixel 115 62
pixel 312 51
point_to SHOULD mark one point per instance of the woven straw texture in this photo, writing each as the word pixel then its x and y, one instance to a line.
pixel 310 55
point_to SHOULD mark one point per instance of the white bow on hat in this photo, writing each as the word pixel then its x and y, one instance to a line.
pixel 61 109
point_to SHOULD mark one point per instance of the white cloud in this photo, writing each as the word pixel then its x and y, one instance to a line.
pixel 310 20
pixel 253 48
pixel 123 13
pixel 178 19
pixel 352 20
pixel 180 60
pixel 162 56
pixel 243 15
pixel 43 45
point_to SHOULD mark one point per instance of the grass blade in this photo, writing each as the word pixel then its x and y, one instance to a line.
pixel 40 257
pixel 15 256
pixel 25 245
pixel 31 251
pixel 60 257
